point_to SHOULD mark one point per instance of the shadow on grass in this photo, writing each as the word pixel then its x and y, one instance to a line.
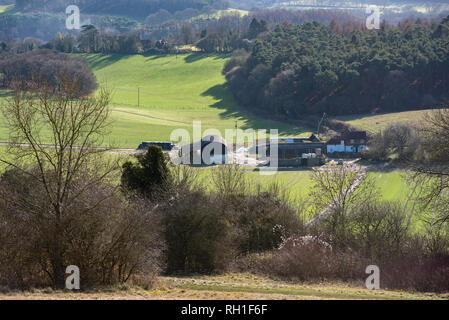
pixel 98 61
pixel 230 110
pixel 194 57
pixel 154 56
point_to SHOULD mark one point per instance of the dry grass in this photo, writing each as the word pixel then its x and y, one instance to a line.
pixel 226 287
pixel 378 122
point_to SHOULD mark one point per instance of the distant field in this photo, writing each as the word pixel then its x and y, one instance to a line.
pixel 297 185
pixel 378 122
pixel 222 13
pixel 355 7
pixel 5 8
pixel 174 92
pixel 393 186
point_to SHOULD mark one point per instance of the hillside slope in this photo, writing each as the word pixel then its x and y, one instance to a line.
pixel 174 92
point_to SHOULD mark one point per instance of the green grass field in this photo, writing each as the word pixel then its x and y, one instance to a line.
pixel 392 186
pixel 296 183
pixel 222 13
pixel 378 122
pixel 4 8
pixel 174 92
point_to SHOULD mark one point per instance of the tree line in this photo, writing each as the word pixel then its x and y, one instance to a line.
pixel 313 68
pixel 33 68
pixel 232 32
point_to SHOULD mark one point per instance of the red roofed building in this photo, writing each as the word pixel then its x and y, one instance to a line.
pixel 348 142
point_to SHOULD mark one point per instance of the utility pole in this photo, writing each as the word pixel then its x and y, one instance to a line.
pixel 320 123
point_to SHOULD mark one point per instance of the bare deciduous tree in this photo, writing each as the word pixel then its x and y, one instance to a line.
pixel 334 192
pixel 435 167
pixel 230 180
pixel 58 135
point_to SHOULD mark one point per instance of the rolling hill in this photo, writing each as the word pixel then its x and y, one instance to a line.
pixel 174 92
pixel 377 122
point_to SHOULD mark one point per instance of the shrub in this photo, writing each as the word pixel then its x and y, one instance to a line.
pixel 378 230
pixel 261 218
pixel 109 239
pixel 307 259
pixel 263 222
pixel 198 237
pixel 148 177
pixel 421 273
pixel 235 61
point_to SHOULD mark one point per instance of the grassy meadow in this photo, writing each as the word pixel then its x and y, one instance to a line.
pixel 297 184
pixel 376 122
pixel 174 92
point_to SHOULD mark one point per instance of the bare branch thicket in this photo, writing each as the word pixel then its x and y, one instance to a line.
pixel 230 180
pixel 335 186
pixel 185 178
pixel 335 191
pixel 55 139
pixel 435 167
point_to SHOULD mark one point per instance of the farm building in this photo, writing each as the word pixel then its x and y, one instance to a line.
pixel 348 142
pixel 165 146
pixel 210 150
pixel 299 152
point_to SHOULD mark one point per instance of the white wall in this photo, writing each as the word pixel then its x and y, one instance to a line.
pixel 331 148
pixel 342 148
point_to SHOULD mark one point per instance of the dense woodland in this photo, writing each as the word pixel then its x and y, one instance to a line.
pixel 163 31
pixel 313 68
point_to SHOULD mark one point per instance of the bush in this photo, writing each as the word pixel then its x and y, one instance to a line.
pixel 263 222
pixel 421 273
pixel 108 238
pixel 307 259
pixel 378 230
pixel 206 232
pixel 198 237
pixel 149 177
pixel 261 218
pixel 399 140
pixel 235 61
